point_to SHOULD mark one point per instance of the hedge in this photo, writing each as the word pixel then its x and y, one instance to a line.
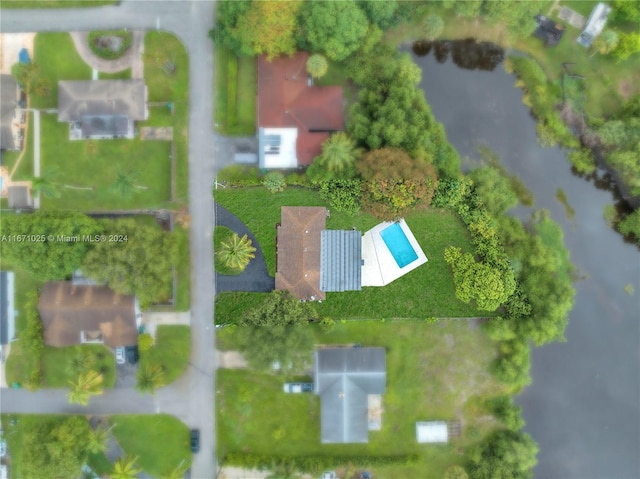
pixel 313 464
pixel 232 86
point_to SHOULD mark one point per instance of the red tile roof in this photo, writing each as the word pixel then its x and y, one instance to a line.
pixel 285 100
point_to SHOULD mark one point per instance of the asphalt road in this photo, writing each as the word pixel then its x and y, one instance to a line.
pixel 191 398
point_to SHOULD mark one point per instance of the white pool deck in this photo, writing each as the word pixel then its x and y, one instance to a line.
pixel 380 268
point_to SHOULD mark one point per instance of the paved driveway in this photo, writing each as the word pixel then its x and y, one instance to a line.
pixel 191 398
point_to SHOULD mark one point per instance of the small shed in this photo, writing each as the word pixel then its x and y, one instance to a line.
pixel 434 432
pixel 20 197
pixel 7 308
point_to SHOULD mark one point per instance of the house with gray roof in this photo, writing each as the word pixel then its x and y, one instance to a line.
pixel 102 109
pixel 347 379
pixel 7 308
pixel 11 120
pixel 312 260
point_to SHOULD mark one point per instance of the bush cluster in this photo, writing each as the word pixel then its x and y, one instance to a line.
pixel 104 52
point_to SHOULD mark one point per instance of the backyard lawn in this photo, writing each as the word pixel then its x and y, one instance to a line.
pixel 58 60
pixel 427 291
pixel 171 351
pixel 434 371
pixel 87 170
pixel 160 442
pixel 235 93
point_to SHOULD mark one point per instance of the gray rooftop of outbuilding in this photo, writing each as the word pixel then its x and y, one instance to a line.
pixel 6 307
pixel 19 197
pixel 100 98
pixel 8 105
pixel 344 377
pixel 341 260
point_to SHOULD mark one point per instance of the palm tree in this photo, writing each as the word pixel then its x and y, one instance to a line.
pixel 150 379
pixel 46 186
pixel 236 252
pixel 125 468
pixel 317 66
pixel 87 385
pixel 125 184
pixel 339 153
pixel 99 439
pixel 83 360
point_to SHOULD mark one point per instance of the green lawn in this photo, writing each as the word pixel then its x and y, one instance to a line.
pixel 158 116
pixel 160 47
pixel 56 360
pixel 171 351
pixel 56 3
pixel 58 60
pixel 123 75
pixel 235 93
pixel 160 442
pixel 426 291
pixel 96 163
pixel 54 364
pixel 583 7
pixel 434 371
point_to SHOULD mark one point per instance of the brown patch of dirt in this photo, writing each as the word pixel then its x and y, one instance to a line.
pixel 625 89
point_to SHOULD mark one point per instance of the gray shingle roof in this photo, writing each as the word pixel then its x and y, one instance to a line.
pixel 341 260
pixel 6 307
pixel 8 105
pixel 344 377
pixel 95 98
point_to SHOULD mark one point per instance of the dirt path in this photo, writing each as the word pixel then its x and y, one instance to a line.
pixel 231 360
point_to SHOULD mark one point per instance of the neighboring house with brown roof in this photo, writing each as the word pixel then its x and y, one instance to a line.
pixel 102 109
pixel 76 314
pixel 312 260
pixel 294 117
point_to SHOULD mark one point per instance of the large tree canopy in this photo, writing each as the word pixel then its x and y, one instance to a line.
pixel 277 331
pixel 394 183
pixel 494 188
pixel 488 286
pixel 141 264
pixel 334 28
pixel 227 31
pixel 49 244
pixel 55 450
pixel 504 454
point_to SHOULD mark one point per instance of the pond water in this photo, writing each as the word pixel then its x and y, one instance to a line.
pixel 583 407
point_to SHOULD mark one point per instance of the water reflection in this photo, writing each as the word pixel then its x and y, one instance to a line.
pixel 468 54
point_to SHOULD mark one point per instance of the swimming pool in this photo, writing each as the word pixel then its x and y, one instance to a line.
pixel 398 245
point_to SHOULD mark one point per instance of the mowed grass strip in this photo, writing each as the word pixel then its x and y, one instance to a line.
pixel 170 351
pixel 427 291
pixel 235 88
pixel 160 441
pixel 95 164
pixel 434 372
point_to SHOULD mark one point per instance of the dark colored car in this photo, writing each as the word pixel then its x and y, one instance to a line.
pixel 195 440
pixel 132 354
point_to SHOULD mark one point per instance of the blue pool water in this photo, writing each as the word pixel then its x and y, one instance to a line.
pixel 398 244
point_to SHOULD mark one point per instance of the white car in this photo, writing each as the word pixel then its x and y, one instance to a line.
pixel 120 356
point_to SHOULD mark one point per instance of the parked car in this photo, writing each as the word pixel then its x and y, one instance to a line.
pixel 120 355
pixel 132 354
pixel 195 440
pixel 329 475
pixel 295 388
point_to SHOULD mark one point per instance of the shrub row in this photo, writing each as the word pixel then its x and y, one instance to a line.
pixel 314 464
pixel 232 87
